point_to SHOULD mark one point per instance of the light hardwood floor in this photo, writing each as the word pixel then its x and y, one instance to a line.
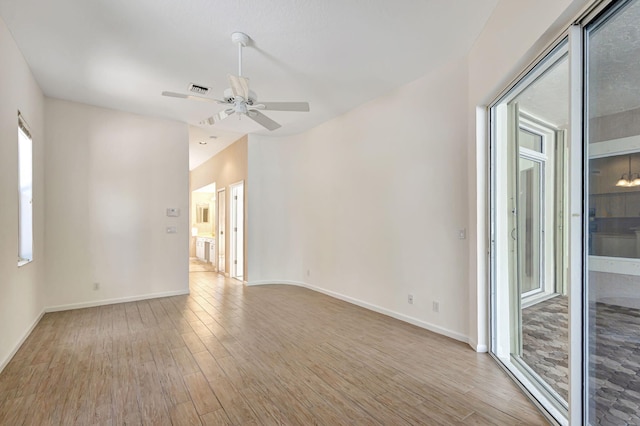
pixel 228 354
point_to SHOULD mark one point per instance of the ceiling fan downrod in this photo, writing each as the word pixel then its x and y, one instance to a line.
pixel 241 39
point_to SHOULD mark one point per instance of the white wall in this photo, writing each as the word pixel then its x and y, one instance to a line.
pixel 514 35
pixel 21 289
pixel 110 177
pixel 370 203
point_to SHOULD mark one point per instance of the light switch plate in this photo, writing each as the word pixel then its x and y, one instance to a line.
pixel 172 212
pixel 171 230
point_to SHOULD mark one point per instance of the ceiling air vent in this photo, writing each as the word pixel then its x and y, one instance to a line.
pixel 196 88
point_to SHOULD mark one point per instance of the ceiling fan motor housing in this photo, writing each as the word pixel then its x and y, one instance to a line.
pixel 230 99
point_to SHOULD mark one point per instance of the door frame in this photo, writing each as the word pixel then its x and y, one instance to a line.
pixel 502 210
pixel 236 222
pixel 550 209
pixel 221 247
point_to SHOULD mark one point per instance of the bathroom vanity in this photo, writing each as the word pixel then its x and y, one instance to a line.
pixel 206 249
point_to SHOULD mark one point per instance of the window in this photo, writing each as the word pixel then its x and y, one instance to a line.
pixel 25 191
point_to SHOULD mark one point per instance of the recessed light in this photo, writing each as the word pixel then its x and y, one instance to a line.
pixel 202 142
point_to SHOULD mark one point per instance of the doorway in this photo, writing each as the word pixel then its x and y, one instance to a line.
pixel 221 208
pixel 203 229
pixel 237 230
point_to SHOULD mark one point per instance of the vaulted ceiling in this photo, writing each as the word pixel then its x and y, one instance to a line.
pixel 335 54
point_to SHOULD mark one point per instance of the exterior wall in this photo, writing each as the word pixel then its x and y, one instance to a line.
pixel 620 125
pixel 21 289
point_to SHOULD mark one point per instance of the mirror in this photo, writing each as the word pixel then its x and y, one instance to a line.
pixel 202 213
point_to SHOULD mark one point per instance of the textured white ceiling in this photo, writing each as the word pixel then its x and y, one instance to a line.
pixel 614 63
pixel 336 54
pixel 547 98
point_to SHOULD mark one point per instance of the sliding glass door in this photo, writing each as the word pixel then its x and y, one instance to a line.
pixel 530 303
pixel 612 146
pixel 565 222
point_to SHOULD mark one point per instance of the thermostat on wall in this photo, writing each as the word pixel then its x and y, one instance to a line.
pixel 173 212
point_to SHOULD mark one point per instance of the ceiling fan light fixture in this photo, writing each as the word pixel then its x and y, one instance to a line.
pixel 622 182
pixel 631 179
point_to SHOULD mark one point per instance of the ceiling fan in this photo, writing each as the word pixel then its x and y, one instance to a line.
pixel 242 100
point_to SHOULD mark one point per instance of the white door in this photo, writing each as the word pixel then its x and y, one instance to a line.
pixel 237 230
pixel 222 229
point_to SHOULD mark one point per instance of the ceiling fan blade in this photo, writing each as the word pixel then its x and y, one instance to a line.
pixel 284 106
pixel 239 86
pixel 218 117
pixel 263 120
pixel 194 97
pixel 175 95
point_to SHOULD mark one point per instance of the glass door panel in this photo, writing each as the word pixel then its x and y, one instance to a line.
pixel 529 189
pixel 612 145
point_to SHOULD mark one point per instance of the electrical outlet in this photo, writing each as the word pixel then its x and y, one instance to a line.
pixel 436 306
pixel 410 299
pixel 96 286
pixel 462 233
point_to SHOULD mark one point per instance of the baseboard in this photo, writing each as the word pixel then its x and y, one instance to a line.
pixel 114 301
pixel 284 282
pixel 24 337
pixel 478 348
pixel 6 361
pixel 402 317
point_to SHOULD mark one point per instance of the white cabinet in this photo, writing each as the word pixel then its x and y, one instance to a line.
pixel 200 249
pixel 212 251
pixel 206 249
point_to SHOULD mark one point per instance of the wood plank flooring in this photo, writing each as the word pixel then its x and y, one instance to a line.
pixel 232 355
